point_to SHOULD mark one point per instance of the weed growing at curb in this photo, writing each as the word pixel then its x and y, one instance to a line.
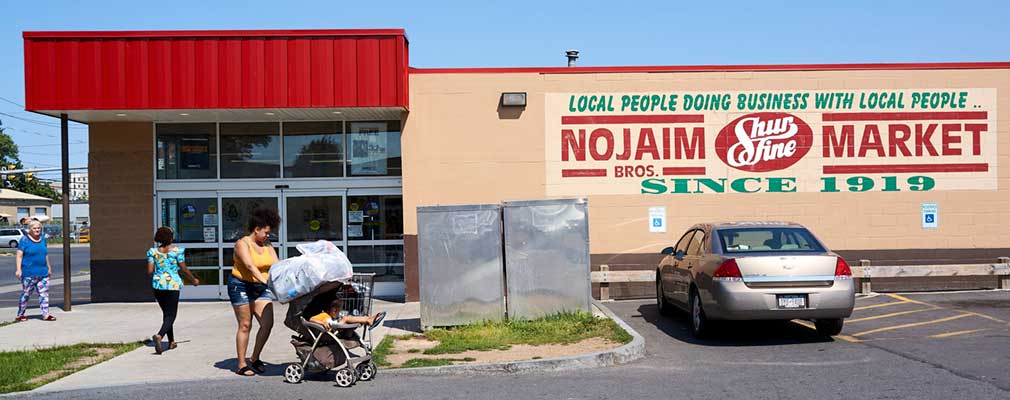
pixel 29 369
pixel 563 328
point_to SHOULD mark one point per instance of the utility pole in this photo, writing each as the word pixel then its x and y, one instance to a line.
pixel 65 146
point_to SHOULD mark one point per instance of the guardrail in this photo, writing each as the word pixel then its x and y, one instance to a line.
pixel 864 272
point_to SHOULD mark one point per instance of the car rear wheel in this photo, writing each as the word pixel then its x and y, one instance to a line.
pixel 664 306
pixel 699 322
pixel 829 327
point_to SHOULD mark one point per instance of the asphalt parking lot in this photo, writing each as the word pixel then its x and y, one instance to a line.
pixel 962 337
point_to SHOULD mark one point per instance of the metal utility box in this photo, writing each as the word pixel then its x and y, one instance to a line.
pixel 460 264
pixel 546 257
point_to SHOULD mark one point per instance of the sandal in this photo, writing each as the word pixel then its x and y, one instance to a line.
pixel 157 344
pixel 49 318
pixel 377 320
pixel 258 366
pixel 172 345
pixel 245 369
pixel 20 318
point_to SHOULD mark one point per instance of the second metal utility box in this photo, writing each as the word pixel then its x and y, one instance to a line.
pixel 460 264
pixel 546 257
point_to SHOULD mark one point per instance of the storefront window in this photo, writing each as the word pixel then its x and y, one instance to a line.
pixel 250 150
pixel 375 217
pixel 192 220
pixel 187 151
pixel 236 212
pixel 315 218
pixel 313 149
pixel 374 148
pixel 386 261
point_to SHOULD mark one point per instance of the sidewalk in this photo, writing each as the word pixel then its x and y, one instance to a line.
pixel 205 332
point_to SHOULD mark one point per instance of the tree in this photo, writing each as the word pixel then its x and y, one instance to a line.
pixel 9 156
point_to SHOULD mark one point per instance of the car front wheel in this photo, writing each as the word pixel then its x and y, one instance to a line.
pixel 699 322
pixel 664 306
pixel 13 244
pixel 829 327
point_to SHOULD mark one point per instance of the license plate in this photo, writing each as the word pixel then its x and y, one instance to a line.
pixel 792 301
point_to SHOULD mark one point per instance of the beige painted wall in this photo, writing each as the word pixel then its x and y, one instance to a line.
pixel 122 188
pixel 458 148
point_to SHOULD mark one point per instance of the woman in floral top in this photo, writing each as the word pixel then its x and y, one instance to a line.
pixel 164 263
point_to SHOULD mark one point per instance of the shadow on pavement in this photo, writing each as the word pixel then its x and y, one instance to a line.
pixel 408 324
pixel 231 364
pixel 732 333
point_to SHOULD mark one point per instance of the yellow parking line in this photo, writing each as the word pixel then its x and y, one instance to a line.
pixel 846 338
pixel 890 328
pixel 894 314
pixel 903 298
pixel 949 334
pixel 987 317
pixel 878 305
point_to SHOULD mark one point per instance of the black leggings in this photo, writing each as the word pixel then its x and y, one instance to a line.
pixel 168 300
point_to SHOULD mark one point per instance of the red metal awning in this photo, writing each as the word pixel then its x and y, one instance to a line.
pixel 201 70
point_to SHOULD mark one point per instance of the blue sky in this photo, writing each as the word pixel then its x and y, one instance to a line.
pixel 536 33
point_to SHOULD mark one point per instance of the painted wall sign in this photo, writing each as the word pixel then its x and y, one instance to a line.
pixel 773 141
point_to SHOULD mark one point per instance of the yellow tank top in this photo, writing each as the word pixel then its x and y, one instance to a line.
pixel 262 262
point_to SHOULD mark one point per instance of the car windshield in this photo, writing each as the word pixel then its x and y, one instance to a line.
pixel 768 239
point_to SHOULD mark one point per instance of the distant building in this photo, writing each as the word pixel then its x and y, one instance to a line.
pixel 15 205
pixel 78 186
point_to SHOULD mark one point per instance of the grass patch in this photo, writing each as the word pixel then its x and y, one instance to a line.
pixel 563 328
pixel 29 369
pixel 414 351
pixel 5 323
pixel 433 362
pixel 380 352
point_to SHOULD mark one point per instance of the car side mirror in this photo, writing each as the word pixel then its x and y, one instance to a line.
pixel 667 251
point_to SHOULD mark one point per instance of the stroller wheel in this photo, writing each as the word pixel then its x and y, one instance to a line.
pixel 366 371
pixel 345 377
pixel 294 373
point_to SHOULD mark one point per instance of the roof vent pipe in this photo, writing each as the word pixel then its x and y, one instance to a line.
pixel 572 56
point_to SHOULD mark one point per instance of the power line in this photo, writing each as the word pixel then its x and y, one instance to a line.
pixel 35 121
pixel 12 102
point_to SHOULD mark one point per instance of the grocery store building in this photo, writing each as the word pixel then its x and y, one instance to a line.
pixel 898 163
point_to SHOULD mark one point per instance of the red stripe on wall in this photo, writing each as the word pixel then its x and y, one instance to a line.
pixel 276 79
pixel 113 73
pixel 230 72
pixel 345 72
pixel 633 119
pixel 401 71
pixel 299 73
pixel 183 73
pixel 322 87
pixel 583 172
pixel 253 73
pixel 387 72
pixel 368 72
pixel 904 116
pixel 205 73
pixel 904 168
pixel 89 77
pixel 161 73
pixel 137 93
pixel 667 171
pixel 43 90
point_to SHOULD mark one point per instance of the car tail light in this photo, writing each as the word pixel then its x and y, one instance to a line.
pixel 728 271
pixel 842 270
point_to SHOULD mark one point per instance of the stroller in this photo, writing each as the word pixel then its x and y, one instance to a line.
pixel 321 350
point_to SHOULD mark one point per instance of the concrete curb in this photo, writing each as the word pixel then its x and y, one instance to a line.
pixel 621 355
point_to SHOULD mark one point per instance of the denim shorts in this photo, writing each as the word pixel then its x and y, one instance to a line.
pixel 239 292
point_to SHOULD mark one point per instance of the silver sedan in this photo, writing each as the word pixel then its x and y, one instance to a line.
pixel 755 271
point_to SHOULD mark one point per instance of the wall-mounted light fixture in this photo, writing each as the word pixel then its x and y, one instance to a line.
pixel 513 99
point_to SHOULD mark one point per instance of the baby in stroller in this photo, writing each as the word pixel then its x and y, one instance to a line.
pixel 327 334
pixel 333 317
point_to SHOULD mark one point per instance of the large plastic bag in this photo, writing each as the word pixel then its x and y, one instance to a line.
pixel 320 262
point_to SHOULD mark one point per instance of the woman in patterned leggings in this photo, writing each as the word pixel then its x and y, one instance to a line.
pixel 33 269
